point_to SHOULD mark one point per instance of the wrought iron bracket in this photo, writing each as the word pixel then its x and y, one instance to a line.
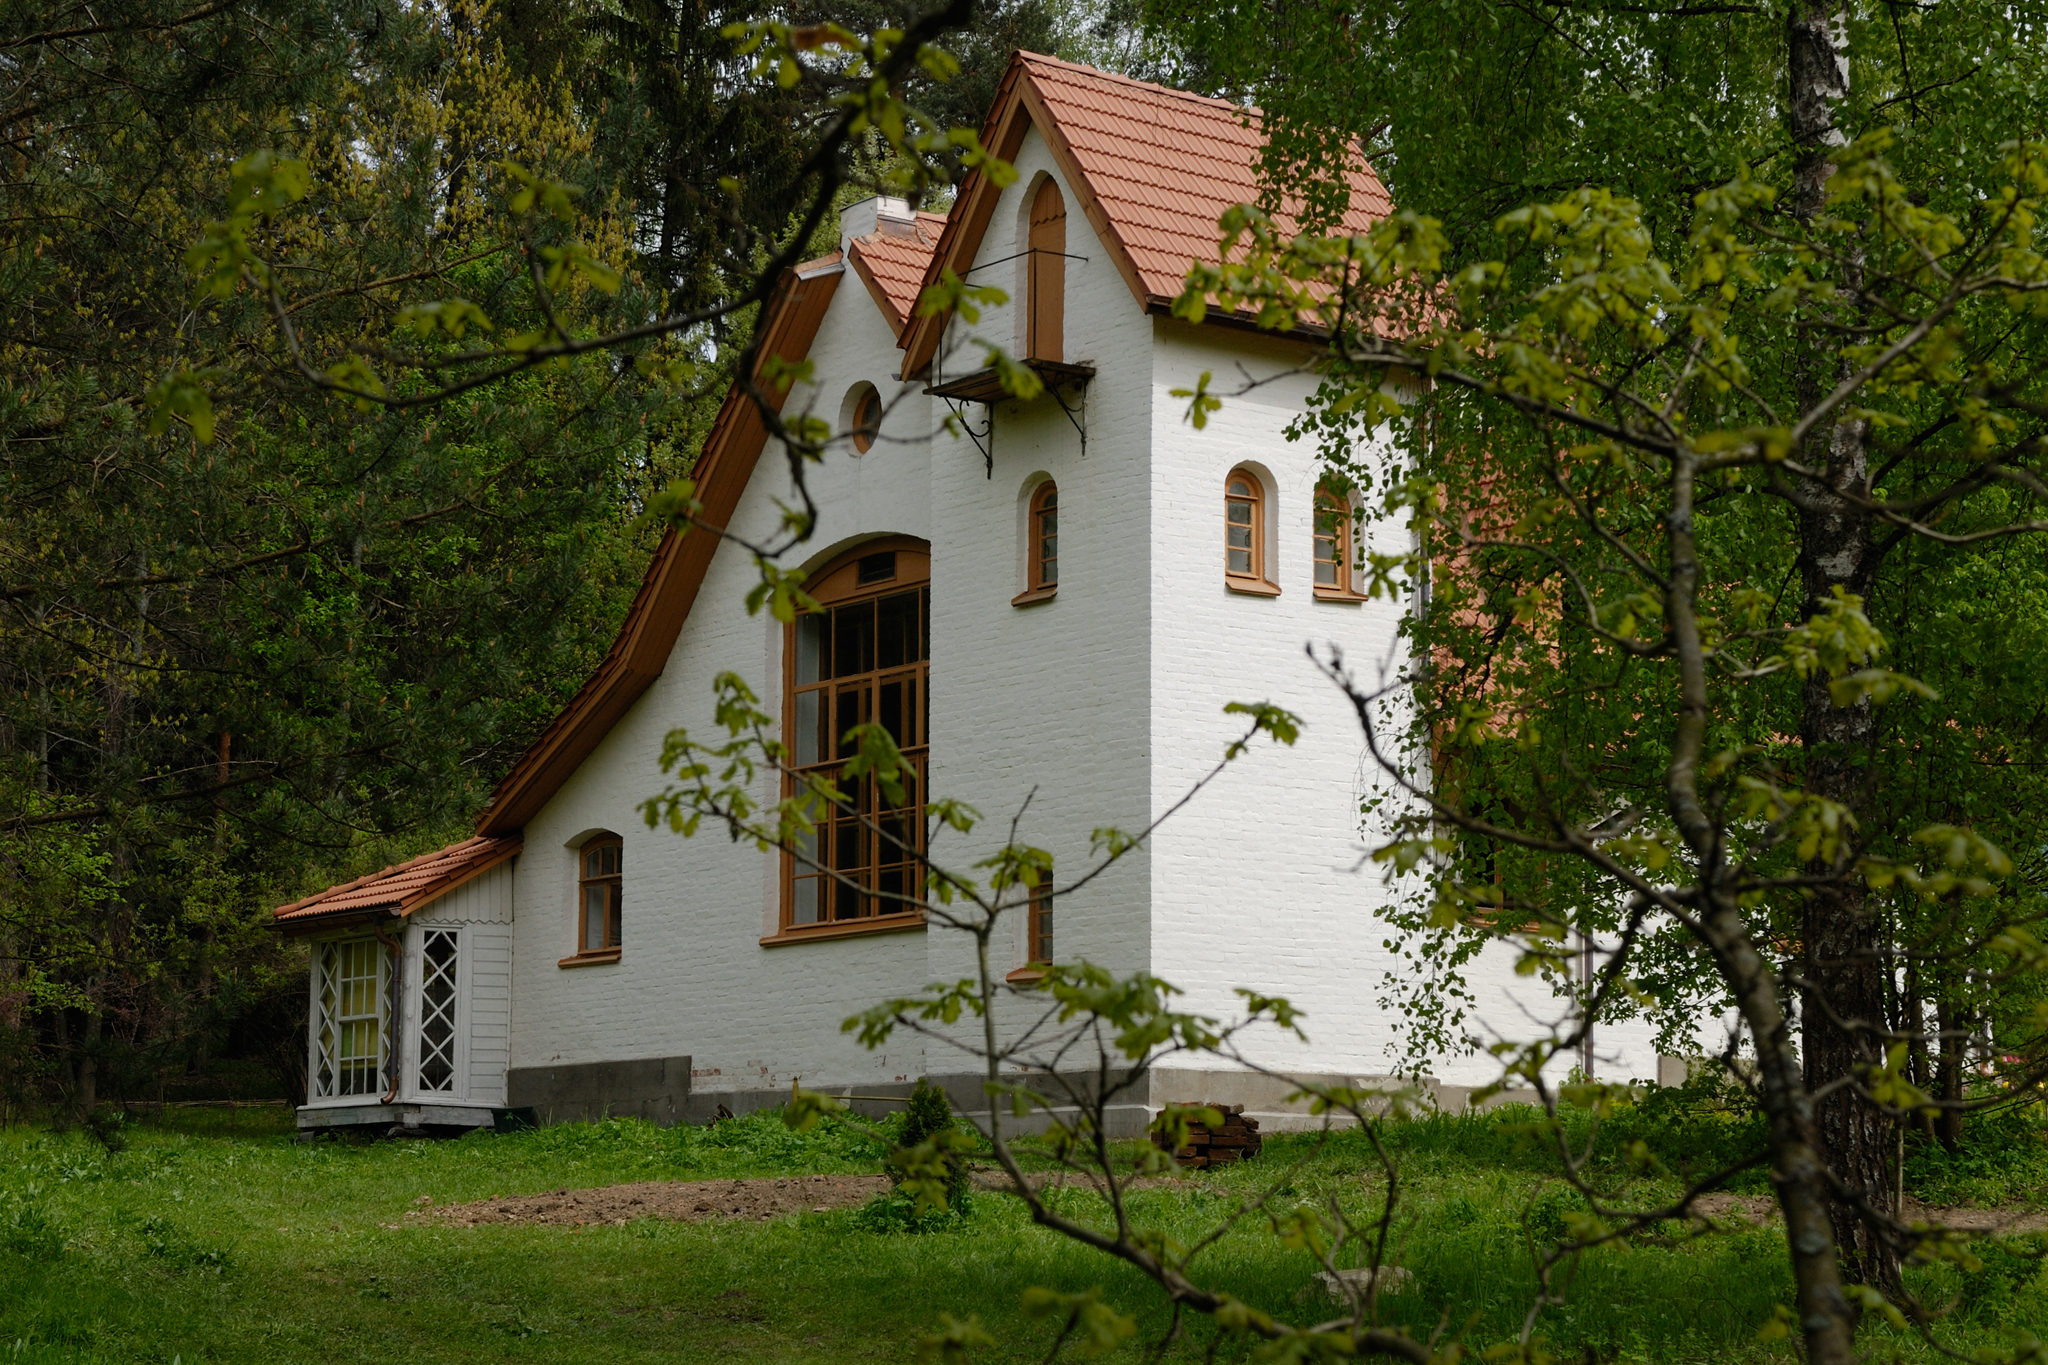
pixel 1080 418
pixel 985 439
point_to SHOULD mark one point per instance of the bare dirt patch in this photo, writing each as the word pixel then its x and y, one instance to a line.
pixel 684 1201
pixel 1762 1209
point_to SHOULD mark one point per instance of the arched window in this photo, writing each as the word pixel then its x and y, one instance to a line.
pixel 1333 544
pixel 597 897
pixel 1046 288
pixel 1045 537
pixel 1244 533
pixel 862 659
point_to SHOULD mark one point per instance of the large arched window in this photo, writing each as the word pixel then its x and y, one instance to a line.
pixel 1046 275
pixel 861 659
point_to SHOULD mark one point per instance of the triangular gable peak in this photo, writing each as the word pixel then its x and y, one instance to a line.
pixel 1152 167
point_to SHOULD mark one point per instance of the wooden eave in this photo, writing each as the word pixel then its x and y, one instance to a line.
pixel 789 324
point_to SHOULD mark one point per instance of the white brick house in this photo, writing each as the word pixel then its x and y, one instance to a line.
pixel 598 965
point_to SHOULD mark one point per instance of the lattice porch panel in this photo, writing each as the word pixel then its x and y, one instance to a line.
pixel 437 1011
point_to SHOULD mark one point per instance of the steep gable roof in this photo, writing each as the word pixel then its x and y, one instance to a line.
pixel 1152 166
pixel 403 887
pixel 789 323
pixel 893 267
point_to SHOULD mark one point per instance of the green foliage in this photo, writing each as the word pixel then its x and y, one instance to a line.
pixel 929 1162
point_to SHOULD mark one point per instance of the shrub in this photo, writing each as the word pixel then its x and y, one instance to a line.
pixel 932 1136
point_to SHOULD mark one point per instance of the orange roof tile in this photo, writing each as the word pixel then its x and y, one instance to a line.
pixel 407 886
pixel 1165 164
pixel 1154 168
pixel 893 267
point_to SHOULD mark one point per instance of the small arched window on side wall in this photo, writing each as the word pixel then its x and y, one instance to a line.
pixel 1334 560
pixel 598 906
pixel 1045 537
pixel 1244 535
pixel 1046 276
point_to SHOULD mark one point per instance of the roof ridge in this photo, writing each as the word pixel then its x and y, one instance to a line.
pixel 1081 68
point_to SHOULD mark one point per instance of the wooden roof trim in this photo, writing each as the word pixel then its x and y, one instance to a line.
pixel 1077 180
pixel 640 653
pixel 1018 107
pixel 291 916
pixel 1002 133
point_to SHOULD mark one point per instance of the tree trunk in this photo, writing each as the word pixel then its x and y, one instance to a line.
pixel 1952 1024
pixel 1842 1007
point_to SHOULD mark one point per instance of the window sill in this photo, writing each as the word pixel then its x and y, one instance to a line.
pixel 1328 594
pixel 1251 587
pixel 852 928
pixel 1036 595
pixel 596 959
pixel 1026 976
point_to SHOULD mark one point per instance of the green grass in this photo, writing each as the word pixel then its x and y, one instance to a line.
pixel 218 1238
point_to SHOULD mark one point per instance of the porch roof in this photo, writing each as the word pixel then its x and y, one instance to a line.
pixel 404 887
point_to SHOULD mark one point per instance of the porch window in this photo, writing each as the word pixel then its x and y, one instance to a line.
pixel 348 1036
pixel 438 958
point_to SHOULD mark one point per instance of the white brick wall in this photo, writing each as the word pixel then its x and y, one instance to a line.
pixel 1104 704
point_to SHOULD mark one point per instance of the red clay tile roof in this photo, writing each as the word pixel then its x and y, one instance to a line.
pixel 893 267
pixel 404 888
pixel 1164 164
pixel 1153 168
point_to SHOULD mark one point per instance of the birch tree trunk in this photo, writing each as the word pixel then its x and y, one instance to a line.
pixel 1842 1005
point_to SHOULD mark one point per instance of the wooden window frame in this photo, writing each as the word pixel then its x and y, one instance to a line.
pixel 1037 588
pixel 1333 503
pixel 612 881
pixel 850 692
pixel 1039 948
pixel 1258 582
pixel 1045 273
pixel 867 418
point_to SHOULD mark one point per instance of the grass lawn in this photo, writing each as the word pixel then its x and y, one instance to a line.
pixel 218 1238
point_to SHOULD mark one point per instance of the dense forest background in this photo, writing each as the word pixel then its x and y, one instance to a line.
pixel 246 653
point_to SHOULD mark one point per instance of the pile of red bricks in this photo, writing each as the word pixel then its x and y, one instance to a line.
pixel 1236 1140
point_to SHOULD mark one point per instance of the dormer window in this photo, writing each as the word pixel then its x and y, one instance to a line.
pixel 1046 275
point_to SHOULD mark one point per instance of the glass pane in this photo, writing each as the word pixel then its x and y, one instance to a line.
pixel 804 909
pixel 853 639
pixel 1240 561
pixel 593 917
pixel 852 711
pixel 593 865
pixel 613 853
pixel 809 742
pixel 1240 513
pixel 615 922
pixel 897 636
pixel 1239 488
pixel 813 646
pixel 891 710
pixel 1326 572
pixel 924 616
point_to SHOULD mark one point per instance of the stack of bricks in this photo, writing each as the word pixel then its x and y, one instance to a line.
pixel 1236 1140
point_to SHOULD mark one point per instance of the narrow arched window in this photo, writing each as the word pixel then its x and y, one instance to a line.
pixel 1046 290
pixel 1039 929
pixel 1333 544
pixel 1244 528
pixel 862 659
pixel 599 919
pixel 1045 537
pixel 867 418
